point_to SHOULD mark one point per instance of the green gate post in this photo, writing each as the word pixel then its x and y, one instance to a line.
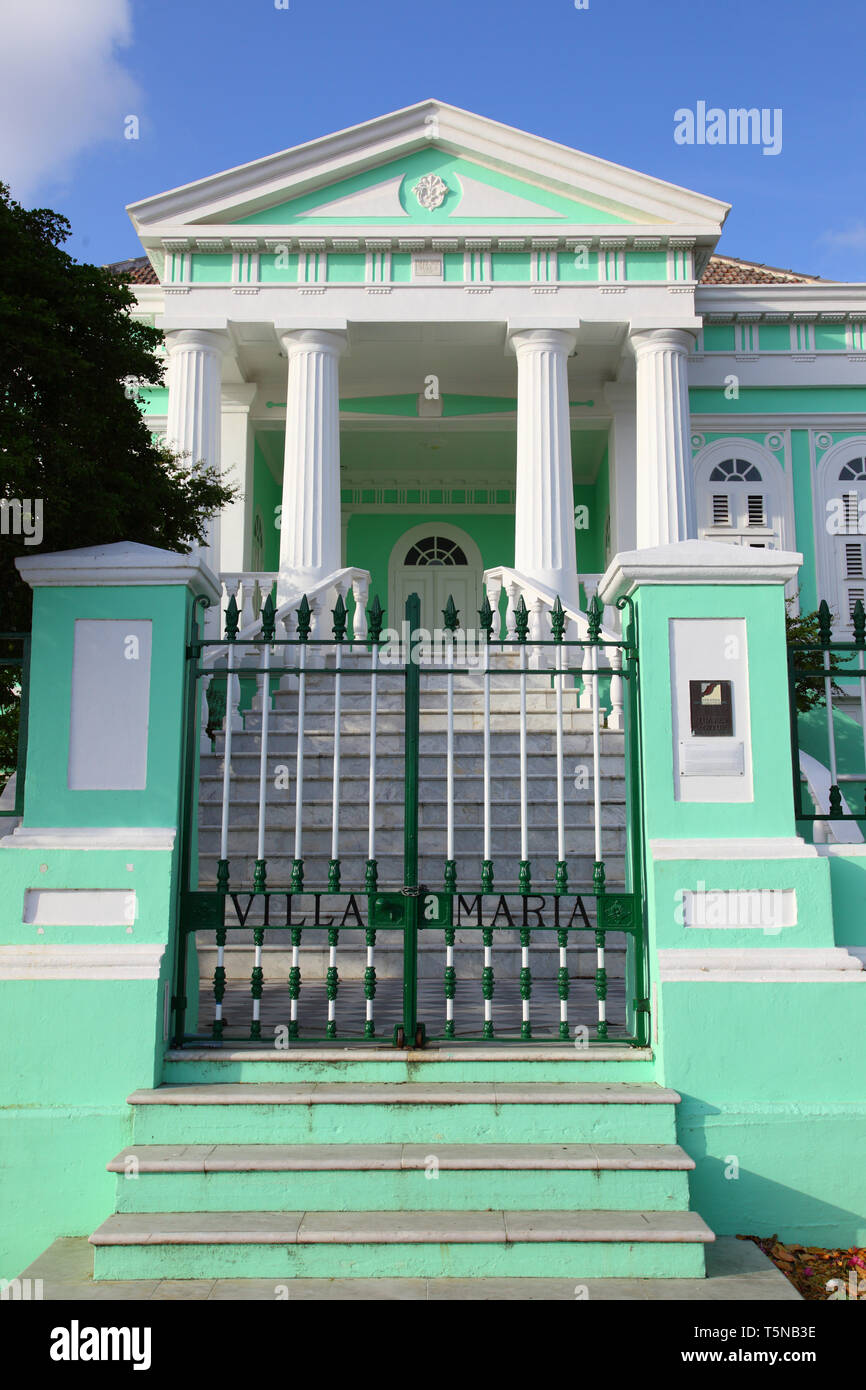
pixel 90 879
pixel 755 1001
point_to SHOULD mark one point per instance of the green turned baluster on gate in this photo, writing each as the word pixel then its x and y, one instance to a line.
pixel 332 983
pixel 600 986
pixel 304 624
pixel 219 984
pixel 370 984
pixel 487 981
pixel 294 982
pixel 269 623
pixel 521 628
pixel 562 981
pixel 557 623
pixel 256 984
pixel 525 984
pixel 375 620
pixel 450 982
pixel 485 617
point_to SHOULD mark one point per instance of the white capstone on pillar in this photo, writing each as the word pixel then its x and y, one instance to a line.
pixel 310 516
pixel 665 487
pixel 194 418
pixel 544 546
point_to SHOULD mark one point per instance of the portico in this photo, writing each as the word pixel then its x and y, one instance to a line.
pixel 463 326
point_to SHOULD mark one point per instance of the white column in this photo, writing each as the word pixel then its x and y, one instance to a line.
pixel 193 427
pixel 665 487
pixel 619 396
pixel 310 517
pixel 236 448
pixel 544 546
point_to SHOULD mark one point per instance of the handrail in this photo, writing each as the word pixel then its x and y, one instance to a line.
pixel 249 588
pixel 819 780
pixel 537 596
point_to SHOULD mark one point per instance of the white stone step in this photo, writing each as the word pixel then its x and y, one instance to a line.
pixel 359 1158
pixel 399 1227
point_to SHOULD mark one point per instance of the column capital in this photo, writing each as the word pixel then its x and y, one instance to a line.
pixel 237 397
pixel 542 340
pixel 203 339
pixel 661 339
pixel 297 340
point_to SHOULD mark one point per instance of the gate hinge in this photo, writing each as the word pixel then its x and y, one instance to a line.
pixel 641 1006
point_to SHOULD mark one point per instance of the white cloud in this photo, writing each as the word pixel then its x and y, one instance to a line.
pixel 852 239
pixel 63 86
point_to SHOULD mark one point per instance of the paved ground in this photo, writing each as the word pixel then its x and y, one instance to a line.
pixel 468 1008
pixel 736 1270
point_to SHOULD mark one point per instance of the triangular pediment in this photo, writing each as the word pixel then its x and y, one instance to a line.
pixel 430 165
pixel 432 185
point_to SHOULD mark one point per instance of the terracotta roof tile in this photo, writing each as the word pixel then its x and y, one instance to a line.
pixel 138 271
pixel 729 270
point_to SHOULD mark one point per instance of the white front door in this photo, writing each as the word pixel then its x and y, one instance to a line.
pixel 436 564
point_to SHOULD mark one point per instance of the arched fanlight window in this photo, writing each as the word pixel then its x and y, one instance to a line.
pixel 435 550
pixel 734 505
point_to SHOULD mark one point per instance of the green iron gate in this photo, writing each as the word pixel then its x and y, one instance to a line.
pixel 469 858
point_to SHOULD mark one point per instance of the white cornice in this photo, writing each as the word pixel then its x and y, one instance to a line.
pixel 771 300
pixel 125 562
pixel 317 163
pixel 696 562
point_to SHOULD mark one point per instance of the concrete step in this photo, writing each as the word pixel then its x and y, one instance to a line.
pixel 368 1061
pixel 469 811
pixel 401 1177
pixel 400 1113
pixel 581 1244
pixel 468 740
pixel 469 839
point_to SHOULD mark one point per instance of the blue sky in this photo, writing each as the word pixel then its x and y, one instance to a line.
pixel 216 83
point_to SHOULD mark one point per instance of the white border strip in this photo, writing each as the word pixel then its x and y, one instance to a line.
pixel 73 962
pixel 792 847
pixel 91 837
pixel 760 965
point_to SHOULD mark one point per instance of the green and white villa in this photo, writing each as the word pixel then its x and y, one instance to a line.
pixel 461 810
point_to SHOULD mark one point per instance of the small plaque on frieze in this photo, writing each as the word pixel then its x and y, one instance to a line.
pixel 428 265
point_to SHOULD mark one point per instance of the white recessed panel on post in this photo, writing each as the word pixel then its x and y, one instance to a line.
pixel 711 720
pixel 108 722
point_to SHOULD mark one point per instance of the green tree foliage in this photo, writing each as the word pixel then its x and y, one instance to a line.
pixel 804 629
pixel 71 430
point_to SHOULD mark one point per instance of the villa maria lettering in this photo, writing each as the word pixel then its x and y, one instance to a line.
pixel 533 910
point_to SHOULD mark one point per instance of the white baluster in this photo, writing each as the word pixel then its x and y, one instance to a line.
pixel 494 591
pixel 512 589
pixel 360 590
pixel 539 629
pixel 615 717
